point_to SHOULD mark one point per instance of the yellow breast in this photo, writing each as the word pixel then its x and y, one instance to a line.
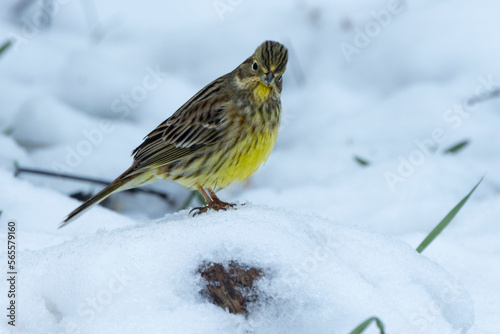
pixel 235 164
pixel 249 155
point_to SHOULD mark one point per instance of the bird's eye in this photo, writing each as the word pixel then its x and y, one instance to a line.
pixel 279 78
pixel 255 66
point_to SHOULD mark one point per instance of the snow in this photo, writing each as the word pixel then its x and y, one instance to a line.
pixel 320 275
pixel 79 96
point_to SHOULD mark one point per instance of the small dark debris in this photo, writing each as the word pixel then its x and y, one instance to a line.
pixel 361 161
pixel 457 147
pixel 230 287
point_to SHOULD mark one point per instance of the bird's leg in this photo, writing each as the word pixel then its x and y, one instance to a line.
pixel 213 202
pixel 219 205
pixel 202 209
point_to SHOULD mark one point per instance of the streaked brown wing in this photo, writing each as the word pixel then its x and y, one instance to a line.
pixel 196 124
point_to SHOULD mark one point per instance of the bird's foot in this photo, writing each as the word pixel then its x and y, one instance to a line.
pixel 220 205
pixel 216 205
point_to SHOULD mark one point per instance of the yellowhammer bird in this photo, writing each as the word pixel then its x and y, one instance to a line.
pixel 221 135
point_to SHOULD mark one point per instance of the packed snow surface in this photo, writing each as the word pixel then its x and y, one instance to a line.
pixel 320 277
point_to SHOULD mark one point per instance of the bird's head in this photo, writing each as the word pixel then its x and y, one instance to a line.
pixel 263 71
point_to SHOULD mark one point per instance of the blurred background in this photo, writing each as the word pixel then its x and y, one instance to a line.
pixel 391 112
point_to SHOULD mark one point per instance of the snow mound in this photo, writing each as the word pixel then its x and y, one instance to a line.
pixel 320 277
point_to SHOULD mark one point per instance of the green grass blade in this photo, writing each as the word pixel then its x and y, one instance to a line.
pixel 188 200
pixel 446 220
pixel 361 328
pixel 457 147
pixel 5 46
pixel 361 161
pixel 201 198
pixel 198 195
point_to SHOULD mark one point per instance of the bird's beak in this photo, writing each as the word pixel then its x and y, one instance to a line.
pixel 268 79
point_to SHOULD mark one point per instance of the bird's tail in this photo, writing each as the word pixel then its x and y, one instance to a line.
pixel 124 181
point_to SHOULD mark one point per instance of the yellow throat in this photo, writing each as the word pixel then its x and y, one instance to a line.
pixel 262 92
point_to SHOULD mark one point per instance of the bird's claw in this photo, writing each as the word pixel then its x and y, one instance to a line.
pixel 217 206
pixel 199 210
